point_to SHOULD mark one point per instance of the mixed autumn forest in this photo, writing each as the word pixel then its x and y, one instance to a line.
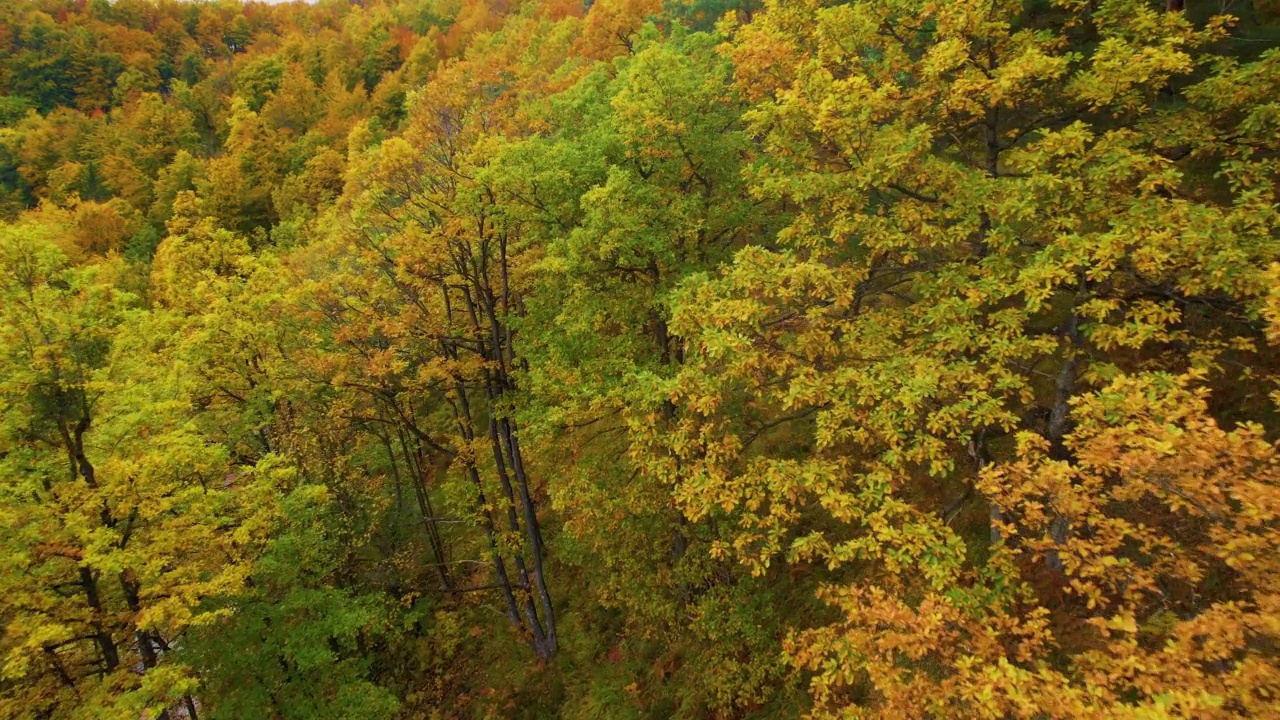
pixel 725 359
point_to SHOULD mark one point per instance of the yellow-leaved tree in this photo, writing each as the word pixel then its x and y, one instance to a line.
pixel 976 379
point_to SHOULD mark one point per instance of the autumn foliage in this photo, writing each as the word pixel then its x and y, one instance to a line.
pixel 638 359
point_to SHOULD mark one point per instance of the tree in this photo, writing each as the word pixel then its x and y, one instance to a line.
pixel 118 511
pixel 437 240
pixel 888 358
pixel 639 189
pixel 991 226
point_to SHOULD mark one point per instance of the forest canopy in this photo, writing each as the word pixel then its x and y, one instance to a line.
pixel 726 359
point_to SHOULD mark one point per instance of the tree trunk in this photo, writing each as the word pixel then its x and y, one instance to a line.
pixel 506 452
pixel 534 533
pixel 1060 420
pixel 413 463
pixel 106 644
pixel 146 640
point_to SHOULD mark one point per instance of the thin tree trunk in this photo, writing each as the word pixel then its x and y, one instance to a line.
pixel 534 533
pixel 981 458
pixel 503 438
pixel 59 668
pixel 73 441
pixel 106 644
pixel 462 417
pixel 491 530
pixel 414 466
pixel 540 641
pixel 147 641
pixel 146 645
pixel 1060 420
pixel 662 340
pixel 502 435
pixel 385 437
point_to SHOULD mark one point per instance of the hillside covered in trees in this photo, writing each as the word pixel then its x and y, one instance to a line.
pixel 628 359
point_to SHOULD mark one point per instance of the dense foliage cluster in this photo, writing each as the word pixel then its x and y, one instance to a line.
pixel 631 359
